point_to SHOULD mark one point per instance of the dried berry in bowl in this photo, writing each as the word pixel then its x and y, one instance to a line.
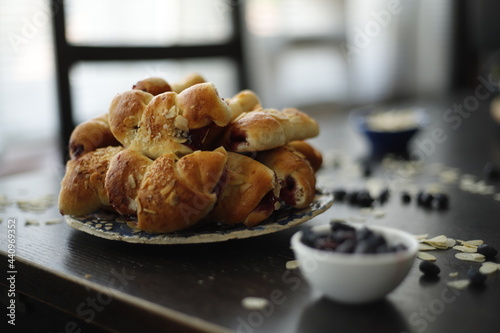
pixel 344 238
pixel 354 264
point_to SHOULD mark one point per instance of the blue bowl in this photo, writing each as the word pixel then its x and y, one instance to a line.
pixel 388 140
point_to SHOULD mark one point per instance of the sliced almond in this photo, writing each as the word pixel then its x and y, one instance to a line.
pixel 426 247
pixel 477 257
pixel 450 242
pixel 453 274
pixel 440 242
pixel 254 303
pixel 426 256
pixel 292 264
pixel 475 242
pixel 181 123
pixel 467 249
pixel 489 267
pixel 458 284
pixel 421 237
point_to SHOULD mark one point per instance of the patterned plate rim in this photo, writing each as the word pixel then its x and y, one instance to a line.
pixel 107 226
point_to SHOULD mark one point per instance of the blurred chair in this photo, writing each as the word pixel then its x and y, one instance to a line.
pixel 67 55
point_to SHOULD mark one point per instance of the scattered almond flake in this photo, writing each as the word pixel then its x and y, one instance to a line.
pixel 475 242
pixel 440 242
pixel 4 202
pixel 98 225
pixel 434 188
pixel 426 247
pixel 149 211
pixel 254 303
pixel 426 256
pixel 37 205
pixel 450 242
pixel 489 267
pixel 292 264
pixel 356 219
pixel 32 222
pixel 448 176
pixel 467 249
pixel 477 257
pixel 378 213
pixel 108 228
pixel 366 210
pixel 87 276
pixel 421 237
pixel 458 284
pixel 453 274
pixel 437 239
pixel 487 190
pixel 53 221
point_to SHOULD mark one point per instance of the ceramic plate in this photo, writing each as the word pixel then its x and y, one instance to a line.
pixel 115 227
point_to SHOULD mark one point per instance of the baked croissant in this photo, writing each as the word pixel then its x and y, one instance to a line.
pixel 168 122
pixel 153 85
pixel 83 186
pixel 267 129
pixel 175 196
pixel 295 175
pixel 90 135
pixel 250 193
pixel 152 157
pixel 311 154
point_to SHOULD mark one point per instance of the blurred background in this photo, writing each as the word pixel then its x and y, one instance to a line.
pixel 57 60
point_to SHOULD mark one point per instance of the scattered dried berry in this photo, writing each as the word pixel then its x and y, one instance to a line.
pixel 429 268
pixel 339 194
pixel 425 199
pixel 364 199
pixel 476 277
pixel 441 200
pixel 487 250
pixel 384 195
pixel 405 197
pixel 491 172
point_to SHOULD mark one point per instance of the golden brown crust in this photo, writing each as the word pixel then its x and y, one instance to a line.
pixel 247 184
pixel 90 135
pixel 294 173
pixel 170 120
pixel 123 179
pixel 125 112
pixel 82 188
pixel 152 85
pixel 267 129
pixel 174 196
pixel 244 101
pixel 201 105
pixel 188 81
pixel 311 154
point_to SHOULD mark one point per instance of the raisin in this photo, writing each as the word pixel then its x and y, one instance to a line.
pixel 429 268
pixel 487 250
pixel 476 277
pixel 405 197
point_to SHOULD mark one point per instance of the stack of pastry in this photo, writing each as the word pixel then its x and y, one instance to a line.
pixel 172 156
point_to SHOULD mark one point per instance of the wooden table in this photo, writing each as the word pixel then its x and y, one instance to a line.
pixel 69 281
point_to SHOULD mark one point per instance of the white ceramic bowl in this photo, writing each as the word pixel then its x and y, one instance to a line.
pixel 356 278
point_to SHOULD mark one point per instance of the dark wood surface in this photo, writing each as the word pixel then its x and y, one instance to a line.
pixel 94 284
